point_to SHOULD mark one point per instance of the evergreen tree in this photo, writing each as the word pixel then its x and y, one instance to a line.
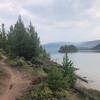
pixel 0 39
pixel 56 80
pixel 11 40
pixel 34 41
pixel 19 37
pixel 21 41
pixel 68 70
pixel 3 37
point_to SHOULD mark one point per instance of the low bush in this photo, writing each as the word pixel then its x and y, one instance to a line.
pixel 62 94
pixel 93 93
pixel 1 53
pixel 2 73
pixel 0 56
pixel 56 80
pixel 39 92
pixel 36 61
pixel 43 92
pixel 16 62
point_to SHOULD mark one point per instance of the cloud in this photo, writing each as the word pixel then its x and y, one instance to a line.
pixel 94 10
pixel 64 19
pixel 35 2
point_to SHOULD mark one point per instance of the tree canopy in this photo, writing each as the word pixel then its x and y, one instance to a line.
pixel 68 48
pixel 21 40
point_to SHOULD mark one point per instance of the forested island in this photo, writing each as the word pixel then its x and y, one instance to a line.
pixel 68 49
pixel 32 74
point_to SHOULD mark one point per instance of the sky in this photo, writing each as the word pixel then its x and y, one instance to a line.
pixel 55 20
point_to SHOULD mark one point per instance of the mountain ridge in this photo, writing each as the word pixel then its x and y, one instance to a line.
pixel 54 46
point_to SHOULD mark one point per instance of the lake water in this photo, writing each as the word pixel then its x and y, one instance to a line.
pixel 89 64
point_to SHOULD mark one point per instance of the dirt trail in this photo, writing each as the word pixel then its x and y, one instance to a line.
pixel 16 83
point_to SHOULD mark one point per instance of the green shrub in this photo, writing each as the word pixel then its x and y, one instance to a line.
pixel 56 80
pixel 2 73
pixel 46 93
pixel 41 72
pixel 12 63
pixel 2 51
pixel 20 61
pixel 0 56
pixel 27 67
pixel 43 92
pixel 94 93
pixel 36 61
pixel 39 92
pixel 62 94
pixel 16 62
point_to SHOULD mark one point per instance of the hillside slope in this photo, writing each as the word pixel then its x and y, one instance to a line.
pixel 89 44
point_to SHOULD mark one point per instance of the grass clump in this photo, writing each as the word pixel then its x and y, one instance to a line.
pixel 43 92
pixel 0 56
pixel 38 92
pixel 2 73
pixel 16 62
pixel 92 93
pixel 1 53
pixel 19 62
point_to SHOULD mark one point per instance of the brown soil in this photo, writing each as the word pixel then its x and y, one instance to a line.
pixel 15 84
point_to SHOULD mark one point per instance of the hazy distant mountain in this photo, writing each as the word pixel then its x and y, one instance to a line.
pixel 54 47
pixel 89 44
pixel 97 47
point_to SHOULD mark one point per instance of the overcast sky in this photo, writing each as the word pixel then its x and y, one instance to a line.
pixel 56 20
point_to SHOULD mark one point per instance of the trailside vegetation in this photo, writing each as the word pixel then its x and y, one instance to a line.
pixel 54 85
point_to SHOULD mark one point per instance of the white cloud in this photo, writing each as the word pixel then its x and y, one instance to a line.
pixel 35 2
pixel 16 8
pixel 6 6
pixel 82 24
pixel 94 10
pixel 78 20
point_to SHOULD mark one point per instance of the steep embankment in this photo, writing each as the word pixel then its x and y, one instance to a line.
pixel 14 84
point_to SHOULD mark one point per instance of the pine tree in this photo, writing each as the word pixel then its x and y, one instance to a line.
pixel 19 38
pixel 68 70
pixel 3 37
pixel 34 41
pixel 56 80
pixel 0 39
pixel 21 41
pixel 11 40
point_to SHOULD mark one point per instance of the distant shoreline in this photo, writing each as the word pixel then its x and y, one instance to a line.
pixel 88 50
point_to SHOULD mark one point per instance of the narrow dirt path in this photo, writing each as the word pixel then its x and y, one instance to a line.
pixel 16 84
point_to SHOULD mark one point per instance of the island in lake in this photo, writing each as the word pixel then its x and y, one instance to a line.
pixel 68 49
